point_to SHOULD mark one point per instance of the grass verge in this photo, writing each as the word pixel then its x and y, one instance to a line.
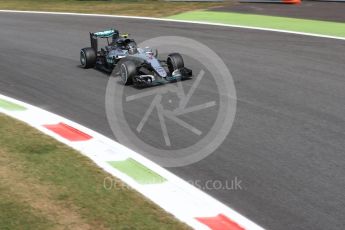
pixel 47 185
pixel 271 22
pixel 149 8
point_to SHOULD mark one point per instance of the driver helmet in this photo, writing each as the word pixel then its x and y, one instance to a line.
pixel 132 48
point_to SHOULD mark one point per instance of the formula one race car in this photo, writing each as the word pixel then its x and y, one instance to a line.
pixel 134 65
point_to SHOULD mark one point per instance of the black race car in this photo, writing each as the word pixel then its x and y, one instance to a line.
pixel 134 65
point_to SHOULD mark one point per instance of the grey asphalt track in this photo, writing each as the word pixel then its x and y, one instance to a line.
pixel 287 142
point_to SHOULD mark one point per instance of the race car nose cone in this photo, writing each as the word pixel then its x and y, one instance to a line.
pixel 161 71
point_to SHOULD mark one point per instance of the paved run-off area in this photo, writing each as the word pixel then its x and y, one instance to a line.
pixel 263 21
pixel 313 10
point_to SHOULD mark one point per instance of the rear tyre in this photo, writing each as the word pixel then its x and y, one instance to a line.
pixel 127 71
pixel 174 62
pixel 88 58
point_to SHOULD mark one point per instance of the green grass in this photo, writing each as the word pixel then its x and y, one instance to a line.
pixel 16 215
pixel 47 185
pixel 150 8
pixel 282 23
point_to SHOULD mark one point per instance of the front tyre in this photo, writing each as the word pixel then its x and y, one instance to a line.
pixel 174 62
pixel 88 58
pixel 127 71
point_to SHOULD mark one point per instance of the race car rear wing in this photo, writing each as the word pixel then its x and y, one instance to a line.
pixel 107 33
pixel 112 33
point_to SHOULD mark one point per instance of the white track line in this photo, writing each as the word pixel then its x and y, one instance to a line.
pixel 175 20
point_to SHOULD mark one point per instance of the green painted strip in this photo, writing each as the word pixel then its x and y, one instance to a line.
pixel 270 22
pixel 10 106
pixel 137 171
